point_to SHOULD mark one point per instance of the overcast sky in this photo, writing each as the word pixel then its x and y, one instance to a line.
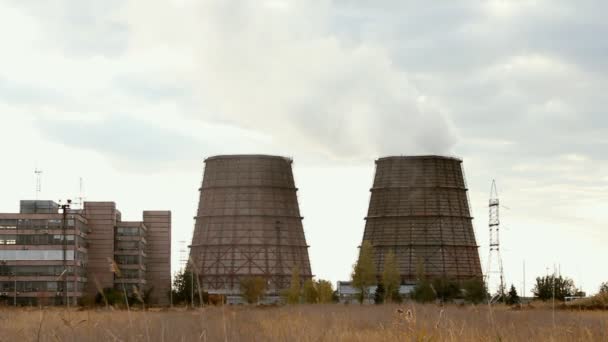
pixel 133 95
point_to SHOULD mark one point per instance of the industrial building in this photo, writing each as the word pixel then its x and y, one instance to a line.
pixel 419 210
pixel 347 293
pixel 52 254
pixel 248 225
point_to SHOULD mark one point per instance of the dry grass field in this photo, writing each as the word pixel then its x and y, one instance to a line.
pixel 305 323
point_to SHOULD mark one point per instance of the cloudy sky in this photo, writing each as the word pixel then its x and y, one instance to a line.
pixel 133 95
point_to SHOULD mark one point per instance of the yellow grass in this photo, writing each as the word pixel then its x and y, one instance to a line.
pixel 305 323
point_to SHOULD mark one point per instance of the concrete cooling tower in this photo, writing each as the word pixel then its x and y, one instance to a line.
pixel 419 209
pixel 248 224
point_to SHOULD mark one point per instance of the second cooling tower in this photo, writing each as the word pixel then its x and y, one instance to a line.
pixel 248 224
pixel 419 209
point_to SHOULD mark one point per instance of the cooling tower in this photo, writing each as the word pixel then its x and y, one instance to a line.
pixel 248 224
pixel 419 209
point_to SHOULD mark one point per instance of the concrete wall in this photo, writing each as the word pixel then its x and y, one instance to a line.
pixel 158 250
pixel 101 217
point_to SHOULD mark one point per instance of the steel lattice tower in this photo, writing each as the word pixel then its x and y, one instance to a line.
pixel 248 224
pixel 494 258
pixel 419 209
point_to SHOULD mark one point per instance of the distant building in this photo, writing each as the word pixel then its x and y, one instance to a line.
pixel 349 294
pixel 48 257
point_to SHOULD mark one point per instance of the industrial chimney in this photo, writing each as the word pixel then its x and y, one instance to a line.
pixel 419 209
pixel 248 225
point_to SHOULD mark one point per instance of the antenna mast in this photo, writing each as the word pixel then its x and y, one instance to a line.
pixel 494 225
pixel 38 174
pixel 80 194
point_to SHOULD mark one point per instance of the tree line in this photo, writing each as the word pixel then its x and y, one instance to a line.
pixel 387 286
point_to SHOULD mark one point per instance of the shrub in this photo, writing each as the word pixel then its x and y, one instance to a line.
pixel 474 290
pixel 379 294
pixel 447 290
pixel 253 288
pixel 309 292
pixel 424 292
pixel 512 297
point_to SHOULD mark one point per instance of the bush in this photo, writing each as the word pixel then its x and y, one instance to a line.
pixel 309 292
pixel 474 290
pixel 253 288
pixel 424 292
pixel 446 289
pixel 379 294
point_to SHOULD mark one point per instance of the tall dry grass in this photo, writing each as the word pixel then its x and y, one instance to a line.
pixel 305 323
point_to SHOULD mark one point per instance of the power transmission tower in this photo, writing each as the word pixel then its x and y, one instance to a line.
pixel 494 259
pixel 183 255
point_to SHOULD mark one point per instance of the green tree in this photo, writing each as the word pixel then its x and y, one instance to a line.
pixel 364 271
pixel 604 288
pixel 293 293
pixel 549 286
pixel 380 294
pixel 309 292
pixel 325 291
pixel 391 277
pixel 253 289
pixel 423 291
pixel 474 290
pixel 184 286
pixel 512 297
pixel 447 290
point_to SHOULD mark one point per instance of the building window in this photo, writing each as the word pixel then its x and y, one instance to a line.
pixel 43 255
pixel 127 231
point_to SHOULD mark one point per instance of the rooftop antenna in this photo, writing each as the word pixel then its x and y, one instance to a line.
pixel 80 194
pixel 494 225
pixel 38 174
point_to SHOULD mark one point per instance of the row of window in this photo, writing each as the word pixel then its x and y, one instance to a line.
pixel 39 286
pixel 40 271
pixel 129 259
pixel 39 239
pixel 131 274
pixel 39 223
pixel 41 255
pixel 129 231
pixel 129 245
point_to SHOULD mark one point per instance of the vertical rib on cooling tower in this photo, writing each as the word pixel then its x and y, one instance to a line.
pixel 248 224
pixel 419 209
